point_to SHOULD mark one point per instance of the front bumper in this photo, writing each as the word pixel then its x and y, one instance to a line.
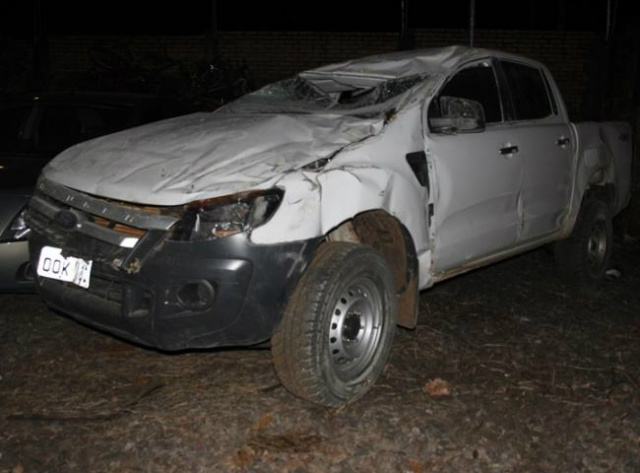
pixel 186 295
pixel 174 295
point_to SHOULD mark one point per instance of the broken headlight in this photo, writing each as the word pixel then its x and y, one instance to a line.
pixel 226 216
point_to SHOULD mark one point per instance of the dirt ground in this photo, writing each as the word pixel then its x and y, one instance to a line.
pixel 510 370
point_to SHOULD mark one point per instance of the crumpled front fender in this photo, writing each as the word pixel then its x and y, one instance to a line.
pixel 315 203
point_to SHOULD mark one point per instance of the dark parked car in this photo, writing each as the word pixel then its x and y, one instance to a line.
pixel 32 131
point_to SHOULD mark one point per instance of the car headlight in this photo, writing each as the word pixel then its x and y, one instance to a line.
pixel 18 229
pixel 226 216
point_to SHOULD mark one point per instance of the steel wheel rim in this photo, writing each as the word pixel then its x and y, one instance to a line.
pixel 356 329
pixel 597 245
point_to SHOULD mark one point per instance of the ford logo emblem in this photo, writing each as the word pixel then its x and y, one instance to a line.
pixel 66 219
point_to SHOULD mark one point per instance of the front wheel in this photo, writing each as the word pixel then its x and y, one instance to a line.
pixel 337 330
pixel 586 254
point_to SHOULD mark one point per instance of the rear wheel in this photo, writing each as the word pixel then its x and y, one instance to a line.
pixel 586 254
pixel 337 331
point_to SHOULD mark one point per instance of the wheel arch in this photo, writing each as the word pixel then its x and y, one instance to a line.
pixel 603 167
pixel 387 235
pixel 596 189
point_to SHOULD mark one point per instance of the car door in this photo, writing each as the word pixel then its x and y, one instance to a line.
pixel 544 148
pixel 477 176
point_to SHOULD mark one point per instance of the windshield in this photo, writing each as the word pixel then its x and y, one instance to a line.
pixel 331 94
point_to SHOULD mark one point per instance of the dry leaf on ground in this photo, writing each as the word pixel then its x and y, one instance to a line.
pixel 437 387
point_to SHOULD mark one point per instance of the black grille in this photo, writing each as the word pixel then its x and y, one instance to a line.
pixel 77 244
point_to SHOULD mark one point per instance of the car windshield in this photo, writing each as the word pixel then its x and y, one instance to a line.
pixel 336 94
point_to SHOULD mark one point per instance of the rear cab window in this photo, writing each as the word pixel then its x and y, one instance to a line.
pixel 531 95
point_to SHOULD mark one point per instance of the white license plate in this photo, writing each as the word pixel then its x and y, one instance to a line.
pixel 53 265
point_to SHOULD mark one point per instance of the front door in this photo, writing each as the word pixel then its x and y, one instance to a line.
pixel 477 176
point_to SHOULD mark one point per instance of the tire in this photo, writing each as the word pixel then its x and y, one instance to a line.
pixel 586 254
pixel 337 331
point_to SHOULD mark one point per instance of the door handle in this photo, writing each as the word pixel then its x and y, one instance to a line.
pixel 507 150
pixel 563 141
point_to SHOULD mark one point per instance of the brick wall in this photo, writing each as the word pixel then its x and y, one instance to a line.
pixel 70 54
pixel 275 55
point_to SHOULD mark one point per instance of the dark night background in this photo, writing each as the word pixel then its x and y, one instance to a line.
pixel 592 48
pixel 194 17
pixel 537 372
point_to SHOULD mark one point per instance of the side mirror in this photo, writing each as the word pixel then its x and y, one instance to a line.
pixel 458 115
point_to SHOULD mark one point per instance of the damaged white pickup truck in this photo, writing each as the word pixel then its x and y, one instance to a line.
pixel 312 211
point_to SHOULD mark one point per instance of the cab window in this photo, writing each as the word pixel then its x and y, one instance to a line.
pixel 529 93
pixel 474 83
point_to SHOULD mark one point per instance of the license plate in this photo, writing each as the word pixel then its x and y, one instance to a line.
pixel 53 265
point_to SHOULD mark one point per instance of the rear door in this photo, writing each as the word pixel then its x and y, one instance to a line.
pixel 544 148
pixel 477 176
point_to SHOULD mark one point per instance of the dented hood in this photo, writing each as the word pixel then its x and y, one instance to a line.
pixel 204 155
